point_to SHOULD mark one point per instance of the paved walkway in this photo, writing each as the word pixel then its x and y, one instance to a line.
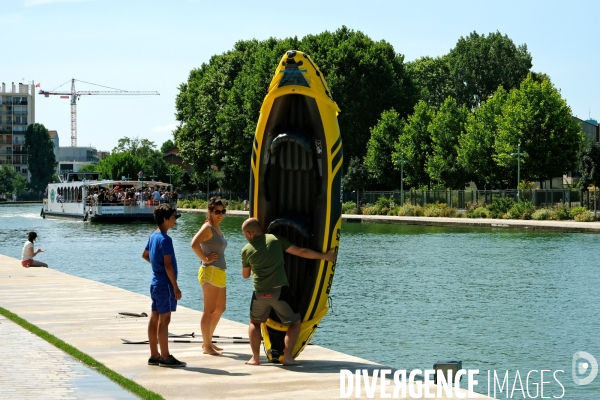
pixel 32 368
pixel 84 313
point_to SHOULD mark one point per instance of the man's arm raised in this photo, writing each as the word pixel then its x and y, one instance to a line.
pixel 303 252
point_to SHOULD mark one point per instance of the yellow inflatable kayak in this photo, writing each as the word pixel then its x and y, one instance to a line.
pixel 296 187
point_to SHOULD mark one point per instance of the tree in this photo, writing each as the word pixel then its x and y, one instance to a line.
pixel 415 146
pixel 431 78
pixel 218 106
pixel 380 148
pixel 476 148
pixel 445 128
pixel 89 168
pixel 589 166
pixel 365 77
pixel 356 177
pixel 479 64
pixel 169 144
pixel 538 117
pixel 118 165
pixel 8 175
pixel 40 156
pixel 136 146
pixel 19 184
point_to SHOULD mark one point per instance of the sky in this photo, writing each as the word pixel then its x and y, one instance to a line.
pixel 151 45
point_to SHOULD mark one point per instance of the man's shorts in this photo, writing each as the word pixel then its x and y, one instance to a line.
pixel 281 300
pixel 213 275
pixel 163 298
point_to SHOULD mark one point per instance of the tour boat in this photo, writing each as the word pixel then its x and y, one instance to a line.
pixel 74 198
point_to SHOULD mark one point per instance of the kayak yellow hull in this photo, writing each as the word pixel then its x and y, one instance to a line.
pixel 296 187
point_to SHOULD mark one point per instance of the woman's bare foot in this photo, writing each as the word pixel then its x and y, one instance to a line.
pixel 253 361
pixel 211 351
pixel 216 348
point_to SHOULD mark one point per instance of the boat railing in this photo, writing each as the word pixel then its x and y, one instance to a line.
pixel 127 207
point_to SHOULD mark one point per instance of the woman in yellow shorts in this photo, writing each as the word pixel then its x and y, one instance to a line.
pixel 209 245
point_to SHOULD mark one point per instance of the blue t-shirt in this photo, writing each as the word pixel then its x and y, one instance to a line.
pixel 159 245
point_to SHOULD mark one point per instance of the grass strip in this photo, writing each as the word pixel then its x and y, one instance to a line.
pixel 125 383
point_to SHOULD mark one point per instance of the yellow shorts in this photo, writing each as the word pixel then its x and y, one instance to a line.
pixel 213 275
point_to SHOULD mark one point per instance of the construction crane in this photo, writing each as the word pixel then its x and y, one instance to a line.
pixel 74 95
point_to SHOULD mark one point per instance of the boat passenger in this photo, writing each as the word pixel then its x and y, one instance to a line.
pixel 27 254
pixel 209 245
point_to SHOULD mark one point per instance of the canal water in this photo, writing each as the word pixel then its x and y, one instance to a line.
pixel 403 296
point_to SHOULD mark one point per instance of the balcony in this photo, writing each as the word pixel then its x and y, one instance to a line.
pixel 20 113
pixel 20 122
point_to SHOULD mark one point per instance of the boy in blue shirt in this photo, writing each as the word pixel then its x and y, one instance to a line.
pixel 164 291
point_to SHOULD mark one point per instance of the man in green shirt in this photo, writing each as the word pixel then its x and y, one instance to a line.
pixel 263 257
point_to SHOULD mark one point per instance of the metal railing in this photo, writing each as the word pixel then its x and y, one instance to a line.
pixel 462 199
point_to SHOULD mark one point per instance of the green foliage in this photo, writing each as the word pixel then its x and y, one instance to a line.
pixel 445 128
pixel 384 202
pixel 589 164
pixel 416 146
pixel 439 210
pixel 500 206
pixel 431 77
pixel 562 212
pixel 408 210
pixel 40 156
pixel 357 175
pixel 168 144
pixel 521 210
pixel 542 214
pixel 10 181
pixel 477 145
pixel 586 216
pixel 117 165
pixel 479 64
pixel 218 106
pixel 143 148
pixel 537 116
pixel 365 77
pixel 575 211
pixel 194 204
pixel 478 212
pixel 349 207
pixel 134 155
pixel 380 147
pixel 90 168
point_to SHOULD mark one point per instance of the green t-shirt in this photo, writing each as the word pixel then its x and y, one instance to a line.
pixel 265 255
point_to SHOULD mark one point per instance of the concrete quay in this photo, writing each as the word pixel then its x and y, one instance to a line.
pixel 549 226
pixel 84 314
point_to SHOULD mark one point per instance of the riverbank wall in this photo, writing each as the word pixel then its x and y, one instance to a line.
pixel 549 226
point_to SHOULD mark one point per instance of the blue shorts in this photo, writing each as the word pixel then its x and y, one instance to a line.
pixel 163 298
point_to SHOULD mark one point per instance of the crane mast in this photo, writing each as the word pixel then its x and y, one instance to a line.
pixel 74 95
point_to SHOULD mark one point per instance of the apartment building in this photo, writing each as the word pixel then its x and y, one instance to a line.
pixel 17 111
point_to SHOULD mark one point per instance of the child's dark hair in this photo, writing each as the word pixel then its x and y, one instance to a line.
pixel 163 212
pixel 31 236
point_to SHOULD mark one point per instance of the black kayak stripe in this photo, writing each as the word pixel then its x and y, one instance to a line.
pixel 337 144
